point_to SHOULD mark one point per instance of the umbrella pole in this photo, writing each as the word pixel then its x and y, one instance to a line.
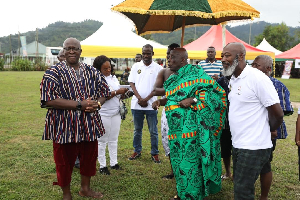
pixel 182 32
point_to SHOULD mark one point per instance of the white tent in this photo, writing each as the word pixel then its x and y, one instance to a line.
pixel 115 41
pixel 265 46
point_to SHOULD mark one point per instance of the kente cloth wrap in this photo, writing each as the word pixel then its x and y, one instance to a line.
pixel 72 126
pixel 194 132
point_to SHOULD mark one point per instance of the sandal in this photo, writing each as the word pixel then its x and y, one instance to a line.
pixel 176 197
pixel 169 176
pixel 224 176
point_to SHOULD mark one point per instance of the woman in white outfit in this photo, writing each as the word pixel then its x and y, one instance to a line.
pixel 110 116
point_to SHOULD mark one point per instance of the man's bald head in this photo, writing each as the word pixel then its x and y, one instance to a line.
pixel 73 40
pixel 61 55
pixel 233 59
pixel 178 58
pixel 181 52
pixel 263 63
pixel 236 48
pixel 72 49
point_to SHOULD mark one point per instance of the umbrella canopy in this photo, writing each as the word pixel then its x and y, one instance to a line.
pixel 169 15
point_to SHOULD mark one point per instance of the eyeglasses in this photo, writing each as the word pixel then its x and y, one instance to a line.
pixel 72 49
pixel 255 65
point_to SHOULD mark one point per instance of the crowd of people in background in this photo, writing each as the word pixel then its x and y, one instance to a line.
pixel 216 109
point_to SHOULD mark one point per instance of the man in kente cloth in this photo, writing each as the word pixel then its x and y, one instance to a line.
pixel 195 108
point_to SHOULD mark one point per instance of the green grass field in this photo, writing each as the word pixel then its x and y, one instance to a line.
pixel 27 168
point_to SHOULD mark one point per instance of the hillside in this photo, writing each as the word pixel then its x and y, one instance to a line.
pixel 54 34
pixel 241 32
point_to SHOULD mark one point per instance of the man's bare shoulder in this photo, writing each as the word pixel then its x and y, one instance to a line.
pixel 167 73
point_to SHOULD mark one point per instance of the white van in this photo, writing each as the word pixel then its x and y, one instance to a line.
pixel 51 55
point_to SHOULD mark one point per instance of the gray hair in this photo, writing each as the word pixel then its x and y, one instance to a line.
pixel 267 59
pixel 72 39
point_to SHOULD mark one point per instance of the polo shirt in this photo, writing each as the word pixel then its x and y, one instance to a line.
pixel 250 94
pixel 144 78
pixel 212 68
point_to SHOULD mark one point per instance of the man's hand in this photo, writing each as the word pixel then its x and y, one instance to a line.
pixel 274 134
pixel 156 104
pixel 122 90
pixel 186 102
pixel 143 102
pixel 215 76
pixel 89 105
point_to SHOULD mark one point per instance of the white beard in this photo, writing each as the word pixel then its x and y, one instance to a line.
pixel 229 71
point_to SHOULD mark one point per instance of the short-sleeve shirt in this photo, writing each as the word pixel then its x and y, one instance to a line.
pixel 250 94
pixel 213 68
pixel 63 82
pixel 144 78
pixel 111 106
pixel 285 103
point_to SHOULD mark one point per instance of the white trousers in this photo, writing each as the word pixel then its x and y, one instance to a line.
pixel 112 128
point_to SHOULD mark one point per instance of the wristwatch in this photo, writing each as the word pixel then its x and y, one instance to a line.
pixel 195 100
pixel 78 107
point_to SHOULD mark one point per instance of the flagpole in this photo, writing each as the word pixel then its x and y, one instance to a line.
pixel 223 35
pixel 182 32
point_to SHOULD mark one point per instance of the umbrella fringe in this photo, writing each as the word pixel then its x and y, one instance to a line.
pixel 188 13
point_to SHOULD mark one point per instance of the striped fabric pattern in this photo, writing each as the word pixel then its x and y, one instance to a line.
pixel 212 68
pixel 71 126
pixel 285 103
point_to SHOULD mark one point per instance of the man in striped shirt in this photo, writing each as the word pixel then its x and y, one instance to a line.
pixel 73 92
pixel 210 65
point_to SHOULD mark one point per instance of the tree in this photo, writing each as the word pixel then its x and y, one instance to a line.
pixel 278 36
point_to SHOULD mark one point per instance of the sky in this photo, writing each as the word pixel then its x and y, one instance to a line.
pixel 23 16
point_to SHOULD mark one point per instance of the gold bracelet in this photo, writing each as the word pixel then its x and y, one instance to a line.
pixel 99 105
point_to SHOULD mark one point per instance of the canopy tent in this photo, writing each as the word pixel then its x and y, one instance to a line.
pixel 293 53
pixel 265 46
pixel 114 42
pixel 213 37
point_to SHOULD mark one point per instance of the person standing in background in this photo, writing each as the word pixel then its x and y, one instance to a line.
pixel 211 65
pixel 141 79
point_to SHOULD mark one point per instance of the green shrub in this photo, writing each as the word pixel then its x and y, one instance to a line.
pixel 2 62
pixel 39 65
pixel 21 65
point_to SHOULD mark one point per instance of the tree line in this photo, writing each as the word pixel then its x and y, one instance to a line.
pixel 53 35
pixel 280 35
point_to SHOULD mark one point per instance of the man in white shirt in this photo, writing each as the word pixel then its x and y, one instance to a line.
pixel 254 113
pixel 141 79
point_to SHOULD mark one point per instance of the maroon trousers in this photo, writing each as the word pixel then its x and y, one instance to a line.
pixel 65 156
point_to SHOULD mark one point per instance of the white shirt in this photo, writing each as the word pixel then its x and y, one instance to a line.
pixel 144 78
pixel 250 93
pixel 111 106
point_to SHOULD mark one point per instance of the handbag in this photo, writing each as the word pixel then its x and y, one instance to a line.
pixel 122 109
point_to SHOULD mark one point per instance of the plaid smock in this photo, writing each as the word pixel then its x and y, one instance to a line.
pixel 285 103
pixel 72 126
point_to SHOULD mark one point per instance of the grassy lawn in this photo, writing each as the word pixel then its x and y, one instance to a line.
pixel 27 168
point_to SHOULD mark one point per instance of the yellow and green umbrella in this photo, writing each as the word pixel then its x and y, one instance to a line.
pixel 151 16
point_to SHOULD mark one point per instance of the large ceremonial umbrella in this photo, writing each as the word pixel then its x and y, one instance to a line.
pixel 168 15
